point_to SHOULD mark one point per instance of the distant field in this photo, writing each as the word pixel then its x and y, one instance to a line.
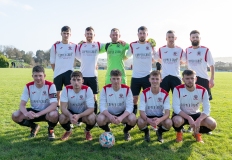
pixel 14 143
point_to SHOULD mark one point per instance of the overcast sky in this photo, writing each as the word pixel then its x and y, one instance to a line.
pixel 31 25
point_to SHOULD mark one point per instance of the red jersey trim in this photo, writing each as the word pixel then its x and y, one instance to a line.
pixel 55 46
pixel 132 51
pixel 206 53
pixel 180 87
pixel 81 46
pixel 203 89
pixel 145 95
pixel 99 46
pixel 127 87
pixel 107 86
pixel 166 94
pixel 181 53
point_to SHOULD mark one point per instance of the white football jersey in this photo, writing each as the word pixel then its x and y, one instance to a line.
pixel 170 58
pixel 142 58
pixel 78 102
pixel 198 60
pixel 88 55
pixel 189 102
pixel 154 104
pixel 40 98
pixel 116 102
pixel 63 56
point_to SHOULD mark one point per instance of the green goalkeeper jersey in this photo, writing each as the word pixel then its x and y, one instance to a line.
pixel 116 53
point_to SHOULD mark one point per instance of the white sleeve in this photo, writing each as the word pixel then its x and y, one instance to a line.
pixel 64 95
pixel 153 53
pixel 77 53
pixel 176 101
pixel 129 52
pixel 206 104
pixel 183 56
pixel 210 60
pixel 52 94
pixel 52 55
pixel 167 103
pixel 142 104
pixel 156 56
pixel 89 98
pixel 103 101
pixel 25 95
pixel 129 102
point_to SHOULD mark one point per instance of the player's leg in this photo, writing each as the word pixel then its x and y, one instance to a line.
pixel 22 120
pixel 52 119
pixel 204 83
pixel 174 81
pixel 58 81
pixel 135 89
pixel 165 84
pixel 143 126
pixel 178 123
pixel 103 122
pixel 164 126
pixel 65 123
pixel 130 122
pixel 208 125
pixel 90 121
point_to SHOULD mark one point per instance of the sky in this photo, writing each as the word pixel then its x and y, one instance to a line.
pixel 35 25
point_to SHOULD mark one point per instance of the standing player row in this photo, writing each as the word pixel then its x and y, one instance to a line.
pixel 116 106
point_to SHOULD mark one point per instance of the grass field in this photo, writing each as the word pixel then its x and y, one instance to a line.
pixel 14 143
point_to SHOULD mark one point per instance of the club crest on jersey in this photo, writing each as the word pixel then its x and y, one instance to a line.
pixel 81 97
pixel 44 93
pixel 195 97
pixel 93 46
pixel 160 99
pixel 198 53
pixel 120 95
pixel 111 95
pixel 174 54
pixel 69 48
pixel 147 48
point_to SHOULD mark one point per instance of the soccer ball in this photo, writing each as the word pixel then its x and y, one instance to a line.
pixel 107 139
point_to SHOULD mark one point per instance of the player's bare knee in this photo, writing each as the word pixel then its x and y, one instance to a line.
pixel 53 116
pixel 132 119
pixel 177 121
pixel 135 99
pixel 168 123
pixel 211 123
pixel 16 116
pixel 91 119
pixel 101 119
pixel 141 123
pixel 62 119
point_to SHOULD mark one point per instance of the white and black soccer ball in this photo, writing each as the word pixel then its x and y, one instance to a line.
pixel 107 139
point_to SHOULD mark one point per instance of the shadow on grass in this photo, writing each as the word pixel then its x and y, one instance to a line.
pixel 15 144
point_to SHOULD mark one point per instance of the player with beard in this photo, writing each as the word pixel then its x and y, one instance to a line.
pixel 143 54
pixel 77 105
pixel 116 105
pixel 115 55
pixel 88 55
pixel 42 95
pixel 170 56
pixel 198 59
pixel 154 108
pixel 186 103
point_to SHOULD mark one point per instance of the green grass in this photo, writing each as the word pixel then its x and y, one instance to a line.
pixel 14 143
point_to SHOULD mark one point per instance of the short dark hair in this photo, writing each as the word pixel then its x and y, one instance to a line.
pixel 171 31
pixel 155 73
pixel 76 74
pixel 194 32
pixel 38 69
pixel 115 72
pixel 114 30
pixel 65 29
pixel 89 28
pixel 188 72
pixel 142 28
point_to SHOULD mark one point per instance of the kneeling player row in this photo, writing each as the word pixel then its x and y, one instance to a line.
pixel 116 106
